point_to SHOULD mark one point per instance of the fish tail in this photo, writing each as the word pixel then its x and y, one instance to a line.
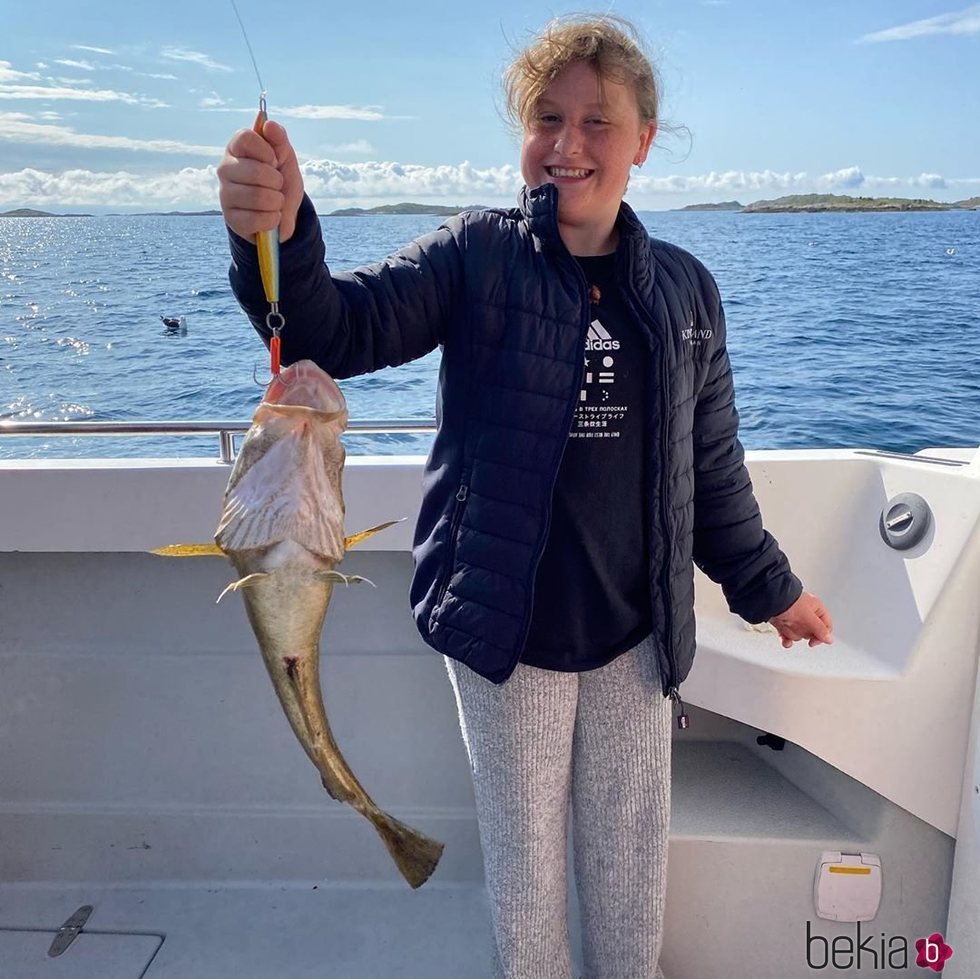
pixel 414 854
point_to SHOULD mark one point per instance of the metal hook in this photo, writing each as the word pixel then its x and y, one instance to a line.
pixel 255 378
pixel 272 377
pixel 275 321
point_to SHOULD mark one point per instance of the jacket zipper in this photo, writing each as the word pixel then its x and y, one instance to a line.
pixel 586 319
pixel 683 721
pixel 670 688
pixel 461 496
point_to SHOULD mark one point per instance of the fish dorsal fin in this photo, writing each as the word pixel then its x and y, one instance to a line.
pixel 287 492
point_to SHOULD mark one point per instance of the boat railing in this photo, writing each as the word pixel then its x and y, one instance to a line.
pixel 225 430
pixel 930 460
pixel 228 430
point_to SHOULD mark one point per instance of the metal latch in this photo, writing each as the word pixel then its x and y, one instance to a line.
pixel 905 520
pixel 69 931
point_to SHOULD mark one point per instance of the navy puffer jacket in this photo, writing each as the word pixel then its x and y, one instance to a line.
pixel 507 302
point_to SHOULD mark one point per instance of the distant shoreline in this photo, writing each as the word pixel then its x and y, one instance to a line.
pixel 720 206
pixel 794 203
pixel 27 212
pixel 439 210
pixel 835 203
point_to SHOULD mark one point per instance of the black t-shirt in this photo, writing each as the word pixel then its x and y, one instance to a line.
pixel 592 591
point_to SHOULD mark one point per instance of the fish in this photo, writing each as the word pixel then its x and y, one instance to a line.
pixel 282 528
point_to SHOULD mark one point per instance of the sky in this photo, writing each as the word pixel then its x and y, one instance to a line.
pixel 113 107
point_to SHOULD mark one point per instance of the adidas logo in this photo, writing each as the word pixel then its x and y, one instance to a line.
pixel 598 338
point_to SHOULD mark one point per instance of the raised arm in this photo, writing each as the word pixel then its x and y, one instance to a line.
pixel 349 323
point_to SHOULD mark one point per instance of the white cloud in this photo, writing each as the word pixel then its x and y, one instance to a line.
pixel 367 113
pixel 17 127
pixel 332 184
pixel 83 65
pixel 193 188
pixel 88 47
pixel 74 188
pixel 358 146
pixel 328 178
pixel 9 74
pixel 961 22
pixel 848 180
pixel 213 101
pixel 194 57
pixel 169 78
pixel 67 93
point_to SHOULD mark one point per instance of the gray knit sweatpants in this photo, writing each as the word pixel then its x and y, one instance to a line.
pixel 599 740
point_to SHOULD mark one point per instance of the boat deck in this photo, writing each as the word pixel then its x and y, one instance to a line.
pixel 147 770
pixel 248 932
pixel 736 820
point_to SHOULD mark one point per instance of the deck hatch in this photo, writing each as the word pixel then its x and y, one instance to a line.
pixel 24 953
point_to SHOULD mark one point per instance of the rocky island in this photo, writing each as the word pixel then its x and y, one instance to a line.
pixel 27 212
pixel 816 203
pixel 406 208
pixel 720 206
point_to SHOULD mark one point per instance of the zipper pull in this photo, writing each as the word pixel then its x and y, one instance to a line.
pixel 461 493
pixel 683 721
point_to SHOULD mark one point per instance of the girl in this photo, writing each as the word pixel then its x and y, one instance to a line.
pixel 586 457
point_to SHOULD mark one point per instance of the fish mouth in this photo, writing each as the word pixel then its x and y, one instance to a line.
pixel 304 385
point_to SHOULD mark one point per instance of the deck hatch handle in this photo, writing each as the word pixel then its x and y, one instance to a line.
pixel 69 931
pixel 905 520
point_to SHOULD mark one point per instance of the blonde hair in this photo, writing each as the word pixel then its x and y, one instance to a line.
pixel 610 44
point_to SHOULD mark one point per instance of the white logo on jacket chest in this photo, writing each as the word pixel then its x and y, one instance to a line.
pixel 695 336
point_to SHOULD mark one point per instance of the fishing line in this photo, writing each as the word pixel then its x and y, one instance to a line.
pixel 251 54
pixel 266 242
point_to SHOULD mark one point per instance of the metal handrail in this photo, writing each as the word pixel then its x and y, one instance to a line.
pixel 909 457
pixel 226 431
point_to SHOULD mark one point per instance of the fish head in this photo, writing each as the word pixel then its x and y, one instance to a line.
pixel 285 486
pixel 305 385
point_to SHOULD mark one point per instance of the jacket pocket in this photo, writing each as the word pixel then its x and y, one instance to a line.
pixel 462 495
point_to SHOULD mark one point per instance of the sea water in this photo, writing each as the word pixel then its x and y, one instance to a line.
pixel 844 330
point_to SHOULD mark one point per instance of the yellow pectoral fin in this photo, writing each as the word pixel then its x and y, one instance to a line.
pixel 355 539
pixel 249 579
pixel 188 550
pixel 212 550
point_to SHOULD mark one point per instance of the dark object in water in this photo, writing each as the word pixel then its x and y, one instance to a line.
pixel 175 326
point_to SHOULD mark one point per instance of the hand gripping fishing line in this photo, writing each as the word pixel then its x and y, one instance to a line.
pixel 266 242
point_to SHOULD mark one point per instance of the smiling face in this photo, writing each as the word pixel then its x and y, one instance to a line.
pixel 583 135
